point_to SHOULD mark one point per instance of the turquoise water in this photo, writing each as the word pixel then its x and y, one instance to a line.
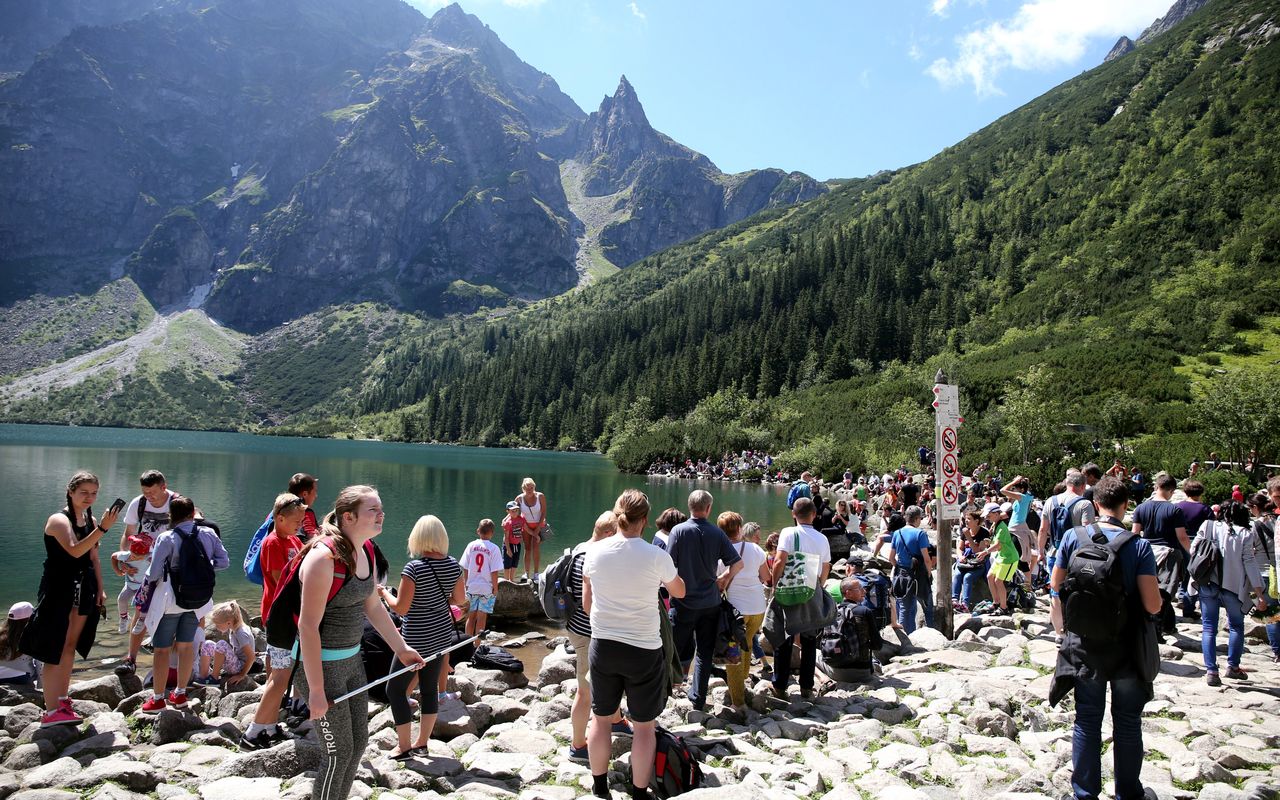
pixel 234 478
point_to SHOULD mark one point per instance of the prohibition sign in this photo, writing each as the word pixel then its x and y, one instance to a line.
pixel 950 493
pixel 949 439
pixel 949 465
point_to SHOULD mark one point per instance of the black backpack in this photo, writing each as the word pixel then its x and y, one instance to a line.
pixel 1205 566
pixel 675 770
pixel 846 642
pixel 192 581
pixel 732 629
pixel 1094 604
pixel 489 656
pixel 555 593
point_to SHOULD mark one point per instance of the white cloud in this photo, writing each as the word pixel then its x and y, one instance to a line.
pixel 1042 34
pixel 940 7
pixel 637 13
pixel 914 52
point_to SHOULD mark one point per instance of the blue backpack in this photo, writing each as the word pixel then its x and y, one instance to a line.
pixel 877 588
pixel 798 489
pixel 1060 522
pixel 252 559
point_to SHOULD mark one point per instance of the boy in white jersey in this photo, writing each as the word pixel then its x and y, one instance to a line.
pixel 481 562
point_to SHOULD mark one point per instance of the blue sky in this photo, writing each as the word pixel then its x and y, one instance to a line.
pixel 835 88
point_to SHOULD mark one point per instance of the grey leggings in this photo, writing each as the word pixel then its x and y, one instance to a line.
pixel 343 730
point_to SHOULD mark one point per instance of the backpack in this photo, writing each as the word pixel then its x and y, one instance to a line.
pixel 731 631
pixel 798 489
pixel 1094 604
pixel 877 587
pixel 1205 566
pixel 845 642
pixel 554 592
pixel 192 581
pixel 282 617
pixel 1060 521
pixel 488 656
pixel 675 770
pixel 253 558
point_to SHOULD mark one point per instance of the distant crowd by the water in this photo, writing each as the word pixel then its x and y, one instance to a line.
pixel 819 603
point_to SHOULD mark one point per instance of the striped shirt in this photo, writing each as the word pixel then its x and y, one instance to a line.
pixel 428 627
pixel 579 622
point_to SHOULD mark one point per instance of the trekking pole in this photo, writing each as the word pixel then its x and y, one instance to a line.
pixel 403 670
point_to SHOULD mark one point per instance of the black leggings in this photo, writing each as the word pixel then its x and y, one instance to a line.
pixel 398 690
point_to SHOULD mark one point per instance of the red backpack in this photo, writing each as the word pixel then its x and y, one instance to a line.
pixel 282 617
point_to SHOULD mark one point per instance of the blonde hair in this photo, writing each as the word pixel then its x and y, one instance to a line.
pixel 287 503
pixel 730 522
pixel 348 502
pixel 428 536
pixel 606 525
pixel 631 508
pixel 228 612
pixel 528 482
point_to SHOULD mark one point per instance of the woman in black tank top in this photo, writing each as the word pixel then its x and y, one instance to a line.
pixel 71 592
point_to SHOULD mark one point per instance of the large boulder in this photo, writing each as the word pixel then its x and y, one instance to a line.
pixel 19 717
pixel 111 689
pixel 490 681
pixel 240 788
pixel 132 775
pixel 285 760
pixel 515 601
pixel 558 667
pixel 174 725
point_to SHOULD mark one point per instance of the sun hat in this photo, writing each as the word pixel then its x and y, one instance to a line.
pixel 990 508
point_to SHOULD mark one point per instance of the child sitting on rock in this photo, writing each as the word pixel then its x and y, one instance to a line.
pixel 229 659
pixel 15 667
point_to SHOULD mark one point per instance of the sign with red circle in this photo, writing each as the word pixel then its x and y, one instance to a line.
pixel 949 468
pixel 949 439
pixel 950 492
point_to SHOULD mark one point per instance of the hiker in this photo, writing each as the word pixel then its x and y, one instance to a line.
pixel 696 546
pixel 1018 492
pixel 972 566
pixel 620 580
pixel 1264 553
pixel 181 578
pixel 70 595
pixel 1064 511
pixel 281 546
pixel 1161 522
pixel 533 508
pixel 803 538
pixel 1237 577
pixel 481 562
pixel 913 570
pixel 1005 564
pixel 578 631
pixel 146 517
pixel 1089 667
pixel 745 590
pixel 849 642
pixel 512 540
pixel 1194 514
pixel 429 584
pixel 330 630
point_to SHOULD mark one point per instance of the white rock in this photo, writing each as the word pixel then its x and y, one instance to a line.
pixel 237 788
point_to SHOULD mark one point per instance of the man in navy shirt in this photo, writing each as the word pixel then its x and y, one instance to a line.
pixel 1161 522
pixel 698 546
pixel 1090 669
pixel 909 551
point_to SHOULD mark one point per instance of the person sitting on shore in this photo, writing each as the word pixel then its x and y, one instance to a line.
pixel 229 659
pixel 16 668
pixel 849 643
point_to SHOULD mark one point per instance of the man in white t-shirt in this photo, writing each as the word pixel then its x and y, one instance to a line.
pixel 1081 515
pixel 146 517
pixel 620 580
pixel 803 538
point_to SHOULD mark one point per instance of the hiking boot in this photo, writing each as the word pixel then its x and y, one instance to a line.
pixel 62 715
pixel 1237 674
pixel 154 705
pixel 259 741
pixel 178 698
pixel 127 666
pixel 1212 679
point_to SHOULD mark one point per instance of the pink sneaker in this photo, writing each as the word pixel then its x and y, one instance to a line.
pixel 153 705
pixel 62 715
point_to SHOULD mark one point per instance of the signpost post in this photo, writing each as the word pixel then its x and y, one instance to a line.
pixel 948 492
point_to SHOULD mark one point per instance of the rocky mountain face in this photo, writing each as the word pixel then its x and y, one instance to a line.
pixel 233 155
pixel 27 27
pixel 1123 46
pixel 664 192
pixel 1180 10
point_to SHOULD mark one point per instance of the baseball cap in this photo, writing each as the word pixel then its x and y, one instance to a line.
pixel 1007 507
pixel 512 504
pixel 22 610
pixel 990 508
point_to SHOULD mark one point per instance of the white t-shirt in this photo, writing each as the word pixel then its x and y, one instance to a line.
pixel 155 519
pixel 746 592
pixel 481 559
pixel 810 542
pixel 625 575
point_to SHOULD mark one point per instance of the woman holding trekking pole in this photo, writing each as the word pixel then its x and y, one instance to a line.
pixel 329 635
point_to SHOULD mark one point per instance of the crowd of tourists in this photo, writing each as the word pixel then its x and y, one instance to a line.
pixel 709 594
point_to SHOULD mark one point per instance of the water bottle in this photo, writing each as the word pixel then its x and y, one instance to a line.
pixel 559 595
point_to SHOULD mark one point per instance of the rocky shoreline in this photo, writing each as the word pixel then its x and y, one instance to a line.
pixel 946 719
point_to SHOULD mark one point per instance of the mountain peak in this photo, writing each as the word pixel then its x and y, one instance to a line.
pixel 1180 10
pixel 623 107
pixel 1123 46
pixel 453 25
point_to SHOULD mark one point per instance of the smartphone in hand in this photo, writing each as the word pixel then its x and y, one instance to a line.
pixel 118 505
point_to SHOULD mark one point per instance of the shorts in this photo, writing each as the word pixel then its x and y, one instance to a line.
pixel 233 662
pixel 1003 571
pixel 511 561
pixel 582 659
pixel 618 669
pixel 279 657
pixel 180 627
pixel 482 603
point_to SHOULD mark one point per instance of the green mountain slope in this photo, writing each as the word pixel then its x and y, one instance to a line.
pixel 1125 221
